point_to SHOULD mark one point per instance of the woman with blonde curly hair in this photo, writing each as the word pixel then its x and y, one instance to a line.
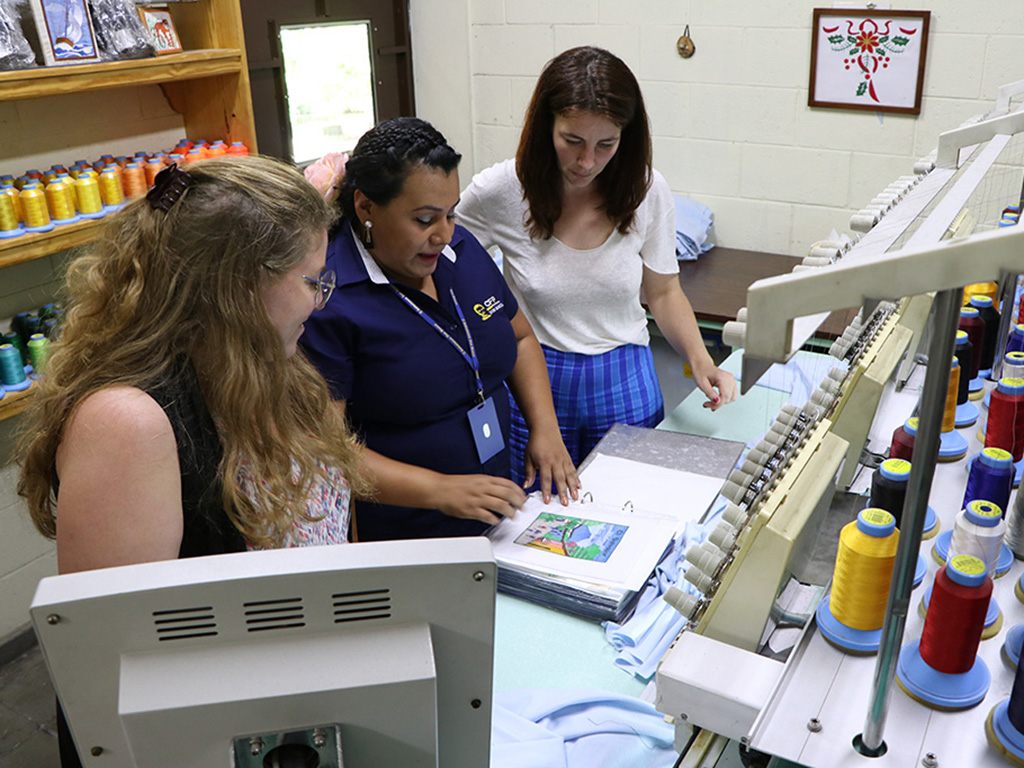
pixel 175 381
pixel 175 418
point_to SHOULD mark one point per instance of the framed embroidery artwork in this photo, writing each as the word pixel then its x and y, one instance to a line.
pixel 65 31
pixel 158 22
pixel 868 59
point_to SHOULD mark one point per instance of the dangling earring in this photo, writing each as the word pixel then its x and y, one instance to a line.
pixel 368 233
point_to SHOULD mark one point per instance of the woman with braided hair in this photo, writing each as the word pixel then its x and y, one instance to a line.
pixel 421 343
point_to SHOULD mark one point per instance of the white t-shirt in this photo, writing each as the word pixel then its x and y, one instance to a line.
pixel 577 301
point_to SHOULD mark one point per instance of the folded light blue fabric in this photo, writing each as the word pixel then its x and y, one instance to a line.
pixel 541 728
pixel 693 225
pixel 644 639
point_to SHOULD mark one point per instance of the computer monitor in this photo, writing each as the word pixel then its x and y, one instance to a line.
pixel 362 655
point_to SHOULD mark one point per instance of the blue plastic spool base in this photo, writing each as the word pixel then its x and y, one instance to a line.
pixel 941 552
pixel 976 385
pixel 920 571
pixel 967 414
pixel 8 233
pixel 931 520
pixel 941 689
pixel 991 616
pixel 952 445
pixel 1012 644
pixel 837 633
pixel 18 387
pixel 1004 732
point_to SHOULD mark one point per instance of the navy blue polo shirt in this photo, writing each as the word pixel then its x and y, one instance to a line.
pixel 407 389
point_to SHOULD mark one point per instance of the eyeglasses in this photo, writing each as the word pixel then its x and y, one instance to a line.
pixel 325 283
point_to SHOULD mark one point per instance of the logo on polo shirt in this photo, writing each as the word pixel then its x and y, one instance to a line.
pixel 489 308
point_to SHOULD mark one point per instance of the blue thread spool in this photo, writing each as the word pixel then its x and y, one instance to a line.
pixel 12 371
pixel 1016 341
pixel 991 478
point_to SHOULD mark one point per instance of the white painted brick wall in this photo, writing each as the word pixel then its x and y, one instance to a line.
pixel 25 556
pixel 732 126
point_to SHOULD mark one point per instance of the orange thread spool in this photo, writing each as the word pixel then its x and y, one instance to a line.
pixel 134 178
pixel 238 148
pixel 949 414
pixel 153 167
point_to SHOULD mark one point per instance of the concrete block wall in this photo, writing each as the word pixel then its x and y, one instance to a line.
pixel 732 126
pixel 38 133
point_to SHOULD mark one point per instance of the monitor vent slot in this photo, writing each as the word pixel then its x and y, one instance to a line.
pixel 185 623
pixel 362 606
pixel 266 615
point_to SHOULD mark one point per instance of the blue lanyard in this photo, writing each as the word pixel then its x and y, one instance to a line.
pixel 470 357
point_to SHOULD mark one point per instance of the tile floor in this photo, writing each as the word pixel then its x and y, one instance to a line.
pixel 28 731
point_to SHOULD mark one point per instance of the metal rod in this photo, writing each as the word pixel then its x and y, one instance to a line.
pixel 1007 291
pixel 926 449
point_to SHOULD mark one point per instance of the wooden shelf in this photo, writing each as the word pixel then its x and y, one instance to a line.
pixel 34 245
pixel 75 78
pixel 14 403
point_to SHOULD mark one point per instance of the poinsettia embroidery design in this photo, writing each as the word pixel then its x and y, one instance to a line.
pixel 870 48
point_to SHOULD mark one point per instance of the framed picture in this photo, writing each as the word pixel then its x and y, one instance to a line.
pixel 65 31
pixel 868 59
pixel 158 22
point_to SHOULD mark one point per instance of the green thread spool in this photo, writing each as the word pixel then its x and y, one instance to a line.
pixel 38 352
pixel 12 338
pixel 12 372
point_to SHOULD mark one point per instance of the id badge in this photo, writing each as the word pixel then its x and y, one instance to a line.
pixel 483 420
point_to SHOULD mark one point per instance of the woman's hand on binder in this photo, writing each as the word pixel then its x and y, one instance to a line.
pixel 478 497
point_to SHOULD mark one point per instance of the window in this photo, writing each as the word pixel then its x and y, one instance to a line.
pixel 328 78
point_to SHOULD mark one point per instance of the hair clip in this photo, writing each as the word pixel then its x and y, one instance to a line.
pixel 168 187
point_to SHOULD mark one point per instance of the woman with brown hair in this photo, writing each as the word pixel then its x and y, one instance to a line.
pixel 585 224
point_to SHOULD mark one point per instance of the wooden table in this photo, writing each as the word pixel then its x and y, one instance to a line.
pixel 716 285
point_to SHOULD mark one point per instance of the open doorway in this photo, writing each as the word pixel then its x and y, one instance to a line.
pixel 324 71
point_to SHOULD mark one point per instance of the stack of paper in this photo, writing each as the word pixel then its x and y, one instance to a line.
pixel 585 559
